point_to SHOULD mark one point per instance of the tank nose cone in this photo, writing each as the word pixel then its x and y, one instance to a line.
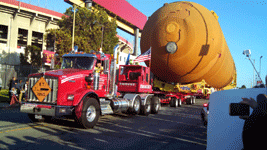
pixel 171 47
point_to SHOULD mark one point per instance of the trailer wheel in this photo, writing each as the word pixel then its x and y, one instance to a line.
pixel 155 105
pixel 174 102
pixel 179 102
pixel 189 101
pixel 194 100
pixel 90 113
pixel 146 109
pixel 136 106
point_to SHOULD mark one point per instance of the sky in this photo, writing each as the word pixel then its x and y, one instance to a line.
pixel 244 25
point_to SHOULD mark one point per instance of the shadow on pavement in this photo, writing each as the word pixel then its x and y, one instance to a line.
pixel 118 131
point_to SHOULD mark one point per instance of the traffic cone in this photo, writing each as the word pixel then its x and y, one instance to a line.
pixel 13 101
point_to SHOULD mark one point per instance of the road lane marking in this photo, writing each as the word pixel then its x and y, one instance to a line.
pixel 185 140
pixel 18 129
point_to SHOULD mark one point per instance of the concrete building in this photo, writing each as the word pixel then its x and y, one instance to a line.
pixel 22 24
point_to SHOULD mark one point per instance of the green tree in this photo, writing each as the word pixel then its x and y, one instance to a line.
pixel 34 53
pixel 88 31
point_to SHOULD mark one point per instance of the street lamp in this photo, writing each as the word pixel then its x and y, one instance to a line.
pixel 102 36
pixel 260 65
pixel 248 53
pixel 73 28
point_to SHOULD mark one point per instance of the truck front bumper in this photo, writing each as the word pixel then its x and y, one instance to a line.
pixel 47 110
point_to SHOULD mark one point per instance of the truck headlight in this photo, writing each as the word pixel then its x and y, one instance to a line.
pixel 70 97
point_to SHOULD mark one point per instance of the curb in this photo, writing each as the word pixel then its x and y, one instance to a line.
pixel 7 106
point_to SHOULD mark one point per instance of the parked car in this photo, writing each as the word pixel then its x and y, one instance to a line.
pixel 205 113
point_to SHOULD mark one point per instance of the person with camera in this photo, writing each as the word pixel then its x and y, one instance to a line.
pixel 254 129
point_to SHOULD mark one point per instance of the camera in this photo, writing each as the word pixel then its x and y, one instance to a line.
pixel 238 109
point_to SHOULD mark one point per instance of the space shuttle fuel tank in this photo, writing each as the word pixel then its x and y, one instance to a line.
pixel 187 45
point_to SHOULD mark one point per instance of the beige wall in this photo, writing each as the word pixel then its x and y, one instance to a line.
pixel 25 19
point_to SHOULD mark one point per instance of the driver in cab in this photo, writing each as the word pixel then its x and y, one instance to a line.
pixel 99 68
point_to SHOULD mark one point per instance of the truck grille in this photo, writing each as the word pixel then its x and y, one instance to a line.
pixel 51 97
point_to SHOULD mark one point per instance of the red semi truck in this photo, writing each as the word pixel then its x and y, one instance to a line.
pixel 76 91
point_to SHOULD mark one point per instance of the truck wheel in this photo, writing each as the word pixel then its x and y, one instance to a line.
pixel 146 109
pixel 90 113
pixel 155 105
pixel 179 102
pixel 136 106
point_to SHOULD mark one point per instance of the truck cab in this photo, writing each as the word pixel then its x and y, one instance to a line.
pixel 59 92
pixel 134 79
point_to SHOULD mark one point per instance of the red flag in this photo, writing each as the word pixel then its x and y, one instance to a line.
pixel 144 57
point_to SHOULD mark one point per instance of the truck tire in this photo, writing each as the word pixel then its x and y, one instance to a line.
pixel 179 102
pixel 155 105
pixel 136 106
pixel 90 113
pixel 146 109
pixel 44 118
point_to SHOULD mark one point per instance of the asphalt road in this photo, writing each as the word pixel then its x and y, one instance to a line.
pixel 173 128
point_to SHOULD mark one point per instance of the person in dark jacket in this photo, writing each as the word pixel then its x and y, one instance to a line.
pixel 254 130
pixel 12 84
pixel 19 86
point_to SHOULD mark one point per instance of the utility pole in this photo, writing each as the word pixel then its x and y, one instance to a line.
pixel 253 74
pixel 73 28
pixel 260 66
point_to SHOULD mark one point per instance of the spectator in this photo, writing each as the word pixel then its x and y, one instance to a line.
pixel 99 68
pixel 19 86
pixel 254 128
pixel 12 84
pixel 25 87
pixel 13 91
pixel 0 83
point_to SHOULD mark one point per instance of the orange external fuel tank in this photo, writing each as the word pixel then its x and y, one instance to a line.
pixel 188 45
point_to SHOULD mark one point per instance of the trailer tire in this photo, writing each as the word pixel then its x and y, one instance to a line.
pixel 174 102
pixel 189 101
pixel 136 106
pixel 146 109
pixel 179 102
pixel 155 105
pixel 194 100
pixel 90 113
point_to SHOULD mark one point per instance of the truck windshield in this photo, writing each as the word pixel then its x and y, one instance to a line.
pixel 85 63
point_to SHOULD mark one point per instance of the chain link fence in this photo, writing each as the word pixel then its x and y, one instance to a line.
pixel 21 72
